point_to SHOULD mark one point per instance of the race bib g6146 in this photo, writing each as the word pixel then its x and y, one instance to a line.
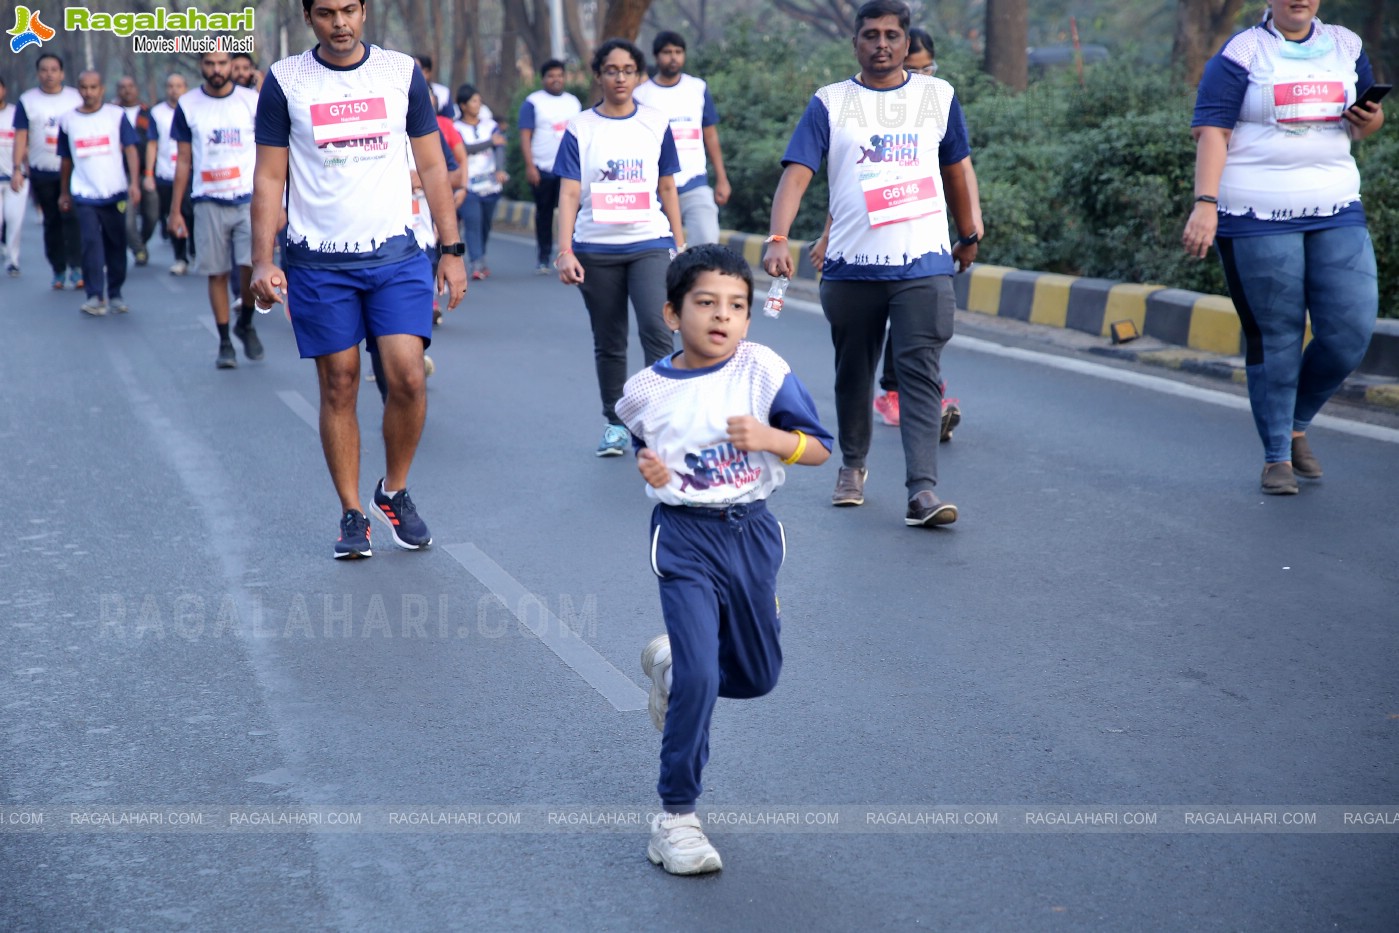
pixel 890 198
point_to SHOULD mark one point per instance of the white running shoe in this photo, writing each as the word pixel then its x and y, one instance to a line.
pixel 655 663
pixel 179 268
pixel 679 845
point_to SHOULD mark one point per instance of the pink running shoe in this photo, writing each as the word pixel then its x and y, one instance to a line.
pixel 887 405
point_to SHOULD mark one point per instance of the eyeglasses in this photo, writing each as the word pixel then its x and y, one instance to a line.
pixel 612 73
pixel 927 69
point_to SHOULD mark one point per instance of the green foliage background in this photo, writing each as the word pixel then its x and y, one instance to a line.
pixel 1089 179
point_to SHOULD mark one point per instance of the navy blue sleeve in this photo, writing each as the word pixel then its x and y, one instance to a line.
pixel 710 116
pixel 273 117
pixel 1221 93
pixel 793 410
pixel 1364 74
pixel 670 159
pixel 128 133
pixel 64 150
pixel 566 162
pixel 811 140
pixel 422 118
pixel 526 120
pixel 954 146
pixel 179 127
pixel 21 117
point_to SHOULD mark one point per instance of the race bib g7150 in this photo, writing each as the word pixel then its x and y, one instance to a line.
pixel 344 120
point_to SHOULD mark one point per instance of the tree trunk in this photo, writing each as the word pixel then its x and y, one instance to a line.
pixel 577 35
pixel 465 24
pixel 624 18
pixel 1202 26
pixel 1373 37
pixel 1007 42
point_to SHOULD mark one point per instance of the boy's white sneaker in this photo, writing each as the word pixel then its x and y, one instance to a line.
pixel 655 664
pixel 679 845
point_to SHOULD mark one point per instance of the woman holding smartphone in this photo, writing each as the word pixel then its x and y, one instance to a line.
pixel 1276 189
pixel 619 222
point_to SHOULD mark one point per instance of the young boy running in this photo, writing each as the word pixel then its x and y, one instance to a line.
pixel 714 426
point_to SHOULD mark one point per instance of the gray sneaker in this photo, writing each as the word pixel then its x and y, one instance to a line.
pixel 850 487
pixel 119 305
pixel 1304 462
pixel 1278 480
pixel 94 306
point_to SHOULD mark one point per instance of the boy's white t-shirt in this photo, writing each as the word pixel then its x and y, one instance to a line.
pixel 682 415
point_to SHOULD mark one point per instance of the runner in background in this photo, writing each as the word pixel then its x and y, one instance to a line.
pixel 36 156
pixel 14 187
pixel 141 220
pixel 161 154
pixel 686 102
pixel 485 176
pixel 543 117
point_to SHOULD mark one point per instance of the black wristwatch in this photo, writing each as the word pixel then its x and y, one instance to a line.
pixel 451 249
pixel 969 240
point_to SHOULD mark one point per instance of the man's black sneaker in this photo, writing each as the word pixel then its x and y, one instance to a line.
pixel 227 358
pixel 252 345
pixel 408 530
pixel 354 536
pixel 927 509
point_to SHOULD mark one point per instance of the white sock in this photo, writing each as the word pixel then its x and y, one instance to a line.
pixel 390 494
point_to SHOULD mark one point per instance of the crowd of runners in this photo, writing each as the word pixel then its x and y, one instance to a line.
pixel 348 186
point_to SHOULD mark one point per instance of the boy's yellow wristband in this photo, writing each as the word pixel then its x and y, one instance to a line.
pixel 801 448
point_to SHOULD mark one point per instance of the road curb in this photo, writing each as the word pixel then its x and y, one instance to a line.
pixel 1193 321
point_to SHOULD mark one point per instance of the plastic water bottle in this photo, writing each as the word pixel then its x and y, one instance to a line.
pixel 772 307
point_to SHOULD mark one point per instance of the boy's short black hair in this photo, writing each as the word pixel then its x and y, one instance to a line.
pixel 711 257
pixel 667 37
pixel 550 65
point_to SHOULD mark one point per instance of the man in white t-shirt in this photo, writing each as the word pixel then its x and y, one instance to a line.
pixel 694 123
pixel 11 199
pixel 335 126
pixel 99 179
pixel 141 221
pixel 898 162
pixel 213 129
pixel 544 116
pixel 161 153
pixel 36 156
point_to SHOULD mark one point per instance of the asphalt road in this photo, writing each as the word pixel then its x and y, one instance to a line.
pixel 1118 624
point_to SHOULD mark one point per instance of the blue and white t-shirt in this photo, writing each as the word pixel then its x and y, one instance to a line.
pixel 348 131
pixel 619 161
pixel 96 142
pixel 690 108
pixel 166 151
pixel 884 150
pixel 683 414
pixel 7 141
pixel 481 164
pixel 547 116
pixel 220 133
pixel 38 113
pixel 1289 166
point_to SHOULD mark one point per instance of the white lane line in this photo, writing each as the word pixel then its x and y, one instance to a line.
pixel 531 611
pixel 533 614
pixel 301 408
pixel 1165 386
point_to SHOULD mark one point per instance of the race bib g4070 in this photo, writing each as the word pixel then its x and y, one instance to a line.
pixel 621 202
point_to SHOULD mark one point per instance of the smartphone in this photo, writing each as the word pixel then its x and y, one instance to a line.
pixel 1374 94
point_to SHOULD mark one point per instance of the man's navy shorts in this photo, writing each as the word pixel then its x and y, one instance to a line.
pixel 335 309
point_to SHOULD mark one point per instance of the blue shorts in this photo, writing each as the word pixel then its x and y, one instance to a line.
pixel 335 309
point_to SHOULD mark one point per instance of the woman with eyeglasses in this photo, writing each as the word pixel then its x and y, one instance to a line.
pixel 619 222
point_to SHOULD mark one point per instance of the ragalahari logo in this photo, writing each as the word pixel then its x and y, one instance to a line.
pixel 29 30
